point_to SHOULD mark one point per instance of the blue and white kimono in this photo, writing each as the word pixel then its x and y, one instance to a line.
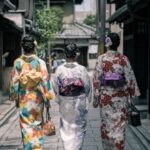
pixel 73 87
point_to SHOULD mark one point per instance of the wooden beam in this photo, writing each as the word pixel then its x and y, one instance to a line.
pixel 58 2
pixel 1 53
pixel 9 4
pixel 149 63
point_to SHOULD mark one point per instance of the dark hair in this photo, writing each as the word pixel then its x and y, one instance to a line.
pixel 71 50
pixel 28 44
pixel 115 39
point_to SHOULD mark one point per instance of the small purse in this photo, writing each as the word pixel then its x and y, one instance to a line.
pixel 48 126
pixel 133 116
pixel 96 102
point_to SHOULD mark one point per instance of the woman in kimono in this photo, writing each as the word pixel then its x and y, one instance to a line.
pixel 114 85
pixel 32 94
pixel 73 87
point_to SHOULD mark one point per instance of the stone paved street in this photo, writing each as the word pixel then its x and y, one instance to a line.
pixel 10 137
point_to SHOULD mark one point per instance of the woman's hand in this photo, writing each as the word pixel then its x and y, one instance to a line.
pixel 12 97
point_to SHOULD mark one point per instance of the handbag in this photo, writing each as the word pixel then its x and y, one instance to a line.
pixel 133 115
pixel 48 126
pixel 96 102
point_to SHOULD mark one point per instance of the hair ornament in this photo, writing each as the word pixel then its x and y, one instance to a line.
pixel 108 41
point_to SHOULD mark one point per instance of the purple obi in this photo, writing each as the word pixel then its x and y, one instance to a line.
pixel 114 80
pixel 71 87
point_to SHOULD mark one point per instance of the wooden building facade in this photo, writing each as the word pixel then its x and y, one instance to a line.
pixel 16 20
pixel 135 17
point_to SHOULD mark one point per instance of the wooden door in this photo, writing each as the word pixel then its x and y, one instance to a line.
pixel 82 59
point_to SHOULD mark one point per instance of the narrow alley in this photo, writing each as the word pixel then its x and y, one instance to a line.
pixel 10 137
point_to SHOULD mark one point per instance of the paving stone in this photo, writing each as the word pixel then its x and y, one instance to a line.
pixel 90 148
pixel 51 140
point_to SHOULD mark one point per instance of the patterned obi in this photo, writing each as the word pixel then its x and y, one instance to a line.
pixel 71 87
pixel 114 80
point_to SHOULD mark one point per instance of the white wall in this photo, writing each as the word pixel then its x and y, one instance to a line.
pixel 68 12
pixel 86 8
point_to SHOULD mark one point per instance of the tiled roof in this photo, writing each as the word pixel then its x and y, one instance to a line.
pixel 76 30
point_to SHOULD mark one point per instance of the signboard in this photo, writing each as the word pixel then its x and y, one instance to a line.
pixel 93 49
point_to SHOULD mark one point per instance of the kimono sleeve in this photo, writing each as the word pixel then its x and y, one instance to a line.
pixel 46 83
pixel 97 73
pixel 55 84
pixel 87 85
pixel 132 86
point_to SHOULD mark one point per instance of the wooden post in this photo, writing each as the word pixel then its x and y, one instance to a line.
pixel 1 67
pixel 102 15
pixel 148 66
pixel 48 3
pixel 48 59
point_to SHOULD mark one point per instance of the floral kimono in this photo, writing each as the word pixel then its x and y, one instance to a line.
pixel 73 87
pixel 31 100
pixel 113 100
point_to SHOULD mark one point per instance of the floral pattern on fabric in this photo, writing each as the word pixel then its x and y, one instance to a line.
pixel 31 101
pixel 73 109
pixel 113 101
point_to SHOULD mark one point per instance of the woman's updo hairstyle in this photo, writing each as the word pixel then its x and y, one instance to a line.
pixel 114 41
pixel 71 50
pixel 28 44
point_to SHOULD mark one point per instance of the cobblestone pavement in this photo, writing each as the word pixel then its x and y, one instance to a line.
pixel 10 137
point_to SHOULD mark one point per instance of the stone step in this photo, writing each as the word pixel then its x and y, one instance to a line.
pixel 9 147
pixel 145 133
pixel 141 135
pixel 142 108
pixel 7 114
pixel 131 141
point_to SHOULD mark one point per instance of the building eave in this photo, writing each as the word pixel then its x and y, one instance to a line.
pixel 119 15
pixel 63 1
pixel 130 8
pixel 76 31
pixel 9 4
pixel 8 24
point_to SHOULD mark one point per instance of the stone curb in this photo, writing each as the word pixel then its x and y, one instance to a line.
pixel 7 113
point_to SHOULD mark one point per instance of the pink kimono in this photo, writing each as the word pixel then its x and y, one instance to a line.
pixel 113 100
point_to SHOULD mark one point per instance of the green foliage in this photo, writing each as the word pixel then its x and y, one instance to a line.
pixel 90 20
pixel 48 22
